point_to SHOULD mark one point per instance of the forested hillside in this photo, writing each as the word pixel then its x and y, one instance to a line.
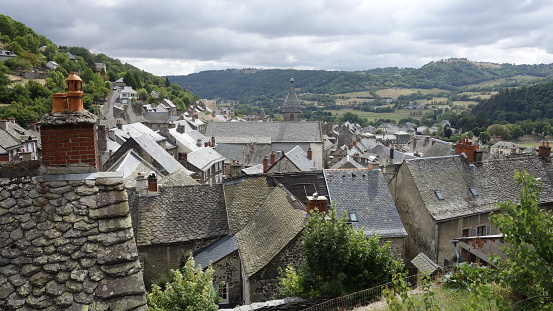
pixel 28 101
pixel 256 85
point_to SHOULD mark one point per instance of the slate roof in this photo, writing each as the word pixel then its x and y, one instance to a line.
pixel 275 224
pixel 383 154
pixel 181 214
pixel 130 165
pixel 292 102
pixel 187 142
pixel 204 158
pixel 493 182
pixel 235 151
pixel 276 131
pixel 159 154
pixel 7 141
pixel 298 156
pixel 439 148
pixel 215 251
pixel 365 193
pixel 243 198
pixel 347 162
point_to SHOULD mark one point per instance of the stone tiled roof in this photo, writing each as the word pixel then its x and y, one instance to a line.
pixel 493 181
pixel 383 154
pixel 277 131
pixel 239 153
pixel 180 214
pixel 243 198
pixel 365 193
pixel 277 222
pixel 177 179
pixel 215 251
pixel 67 243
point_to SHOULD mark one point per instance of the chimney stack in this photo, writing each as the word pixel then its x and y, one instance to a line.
pixel 309 153
pixel 265 164
pixel 273 160
pixel 199 142
pixel 467 147
pixel 391 153
pixel 152 183
pixel 69 136
pixel 544 151
pixel 316 202
pixel 212 141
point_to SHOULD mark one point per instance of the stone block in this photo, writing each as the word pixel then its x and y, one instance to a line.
pixel 118 253
pixel 121 286
pixel 109 211
pixel 114 224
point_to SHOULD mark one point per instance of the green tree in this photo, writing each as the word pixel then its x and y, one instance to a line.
pixel 189 288
pixel 527 230
pixel 339 259
pixel 484 137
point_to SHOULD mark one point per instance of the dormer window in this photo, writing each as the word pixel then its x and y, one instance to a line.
pixel 473 191
pixel 439 195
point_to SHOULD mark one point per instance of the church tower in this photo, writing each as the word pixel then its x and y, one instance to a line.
pixel 292 109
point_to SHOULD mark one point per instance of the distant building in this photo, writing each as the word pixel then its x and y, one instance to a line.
pixel 292 104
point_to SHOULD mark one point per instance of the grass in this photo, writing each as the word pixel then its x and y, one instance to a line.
pixel 396 92
pixel 453 299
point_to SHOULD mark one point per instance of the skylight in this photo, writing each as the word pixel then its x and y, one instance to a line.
pixel 352 217
pixel 439 195
pixel 473 191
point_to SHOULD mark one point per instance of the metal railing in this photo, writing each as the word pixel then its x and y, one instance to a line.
pixel 368 296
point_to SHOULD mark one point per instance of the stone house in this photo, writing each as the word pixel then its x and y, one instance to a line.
pixel 206 163
pixel 443 198
pixel 364 197
pixel 66 239
pixel 17 143
pixel 295 160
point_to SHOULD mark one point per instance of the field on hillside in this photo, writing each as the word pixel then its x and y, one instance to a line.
pixel 499 81
pixel 396 92
pixel 372 116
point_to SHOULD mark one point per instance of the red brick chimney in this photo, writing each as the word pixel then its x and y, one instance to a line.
pixel 309 153
pixel 265 164
pixel 273 158
pixel 544 151
pixel 69 136
pixel 316 202
pixel 152 183
pixel 466 146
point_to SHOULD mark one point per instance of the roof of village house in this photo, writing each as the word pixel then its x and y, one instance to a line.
pixel 253 170
pixel 347 162
pixel 243 197
pixel 239 153
pixel 157 152
pixel 439 148
pixel 7 141
pixel 365 193
pixel 300 184
pixel 276 131
pixel 215 251
pixel 204 158
pixel 177 179
pixel 383 154
pixel 469 189
pixel 75 251
pixel 273 226
pixel 181 214
pixel 130 164
pixel 298 156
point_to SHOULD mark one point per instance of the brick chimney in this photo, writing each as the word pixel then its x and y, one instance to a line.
pixel 318 202
pixel 265 164
pixel 309 153
pixel 544 151
pixel 152 183
pixel 468 148
pixel 273 158
pixel 69 137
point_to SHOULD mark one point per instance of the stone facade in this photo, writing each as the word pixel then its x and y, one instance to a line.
pixel 265 284
pixel 229 271
pixel 67 244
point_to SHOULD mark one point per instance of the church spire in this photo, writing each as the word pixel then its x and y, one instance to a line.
pixel 292 109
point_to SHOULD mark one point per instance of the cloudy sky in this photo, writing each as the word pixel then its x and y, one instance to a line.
pixel 177 37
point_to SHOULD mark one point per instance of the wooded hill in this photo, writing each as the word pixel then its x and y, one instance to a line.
pixel 257 85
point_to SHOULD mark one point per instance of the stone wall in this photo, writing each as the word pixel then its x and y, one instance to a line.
pixel 265 285
pixel 229 270
pixel 66 243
